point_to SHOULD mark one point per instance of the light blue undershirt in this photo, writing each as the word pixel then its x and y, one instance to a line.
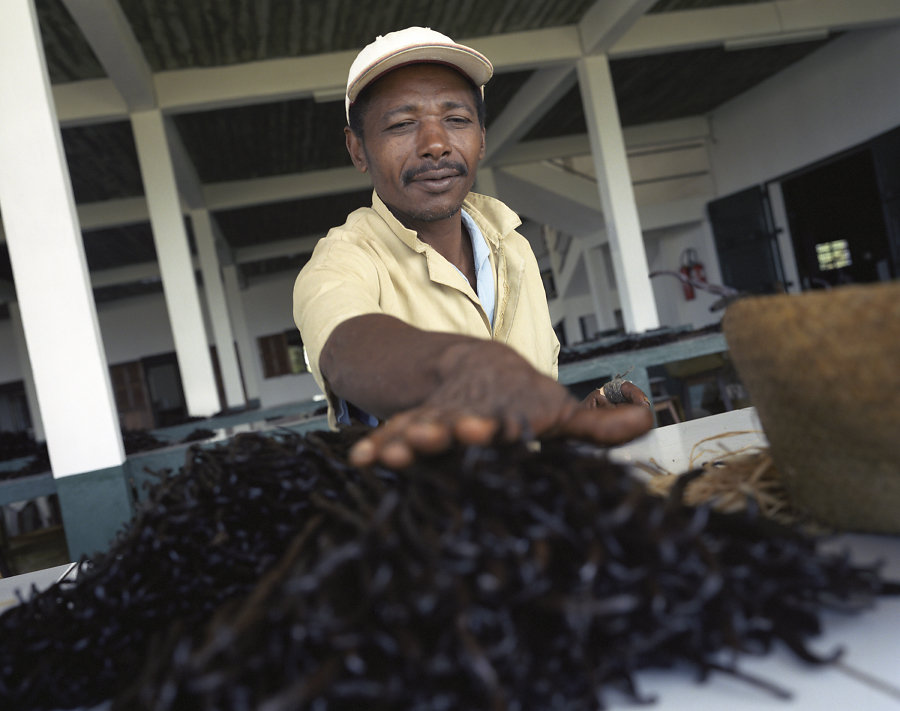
pixel 484 287
pixel 484 275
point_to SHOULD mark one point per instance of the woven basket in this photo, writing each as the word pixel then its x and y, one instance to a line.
pixel 823 371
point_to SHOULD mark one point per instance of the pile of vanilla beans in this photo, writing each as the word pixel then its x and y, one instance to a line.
pixel 270 574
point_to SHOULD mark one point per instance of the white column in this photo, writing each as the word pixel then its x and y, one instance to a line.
pixel 175 264
pixel 246 349
pixel 34 409
pixel 218 308
pixel 56 303
pixel 598 282
pixel 617 194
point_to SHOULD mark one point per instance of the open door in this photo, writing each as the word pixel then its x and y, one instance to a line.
pixel 746 244
pixel 837 223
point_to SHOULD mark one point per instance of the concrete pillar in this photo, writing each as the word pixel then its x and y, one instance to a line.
pixel 53 287
pixel 617 194
pixel 245 344
pixel 598 282
pixel 175 264
pixel 34 409
pixel 218 308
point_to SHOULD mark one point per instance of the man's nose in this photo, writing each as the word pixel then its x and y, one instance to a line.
pixel 433 140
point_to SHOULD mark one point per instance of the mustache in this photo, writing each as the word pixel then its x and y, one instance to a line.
pixel 409 175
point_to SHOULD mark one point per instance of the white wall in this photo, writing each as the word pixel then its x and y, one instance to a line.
pixel 135 328
pixel 139 327
pixel 839 96
pixel 664 248
pixel 268 308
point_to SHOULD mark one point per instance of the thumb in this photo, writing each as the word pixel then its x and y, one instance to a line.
pixel 608 425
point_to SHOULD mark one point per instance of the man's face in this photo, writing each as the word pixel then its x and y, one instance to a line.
pixel 422 142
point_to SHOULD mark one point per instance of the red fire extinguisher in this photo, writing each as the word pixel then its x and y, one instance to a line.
pixel 692 268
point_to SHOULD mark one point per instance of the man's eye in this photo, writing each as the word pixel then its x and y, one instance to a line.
pixel 399 125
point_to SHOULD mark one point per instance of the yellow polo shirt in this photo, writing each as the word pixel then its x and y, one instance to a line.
pixel 373 264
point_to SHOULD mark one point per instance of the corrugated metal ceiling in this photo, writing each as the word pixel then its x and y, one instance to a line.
pixel 292 136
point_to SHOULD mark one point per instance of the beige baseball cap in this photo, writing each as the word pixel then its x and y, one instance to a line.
pixel 411 46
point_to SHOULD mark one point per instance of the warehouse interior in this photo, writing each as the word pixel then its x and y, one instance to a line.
pixel 202 146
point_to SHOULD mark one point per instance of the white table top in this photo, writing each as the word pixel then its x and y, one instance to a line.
pixel 869 675
pixel 868 678
pixel 671 446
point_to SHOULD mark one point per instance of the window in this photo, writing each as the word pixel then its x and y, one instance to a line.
pixel 833 255
pixel 282 354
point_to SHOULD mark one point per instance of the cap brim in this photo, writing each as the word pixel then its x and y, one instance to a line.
pixel 474 65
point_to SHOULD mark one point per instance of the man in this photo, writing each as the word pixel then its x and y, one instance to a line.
pixel 427 310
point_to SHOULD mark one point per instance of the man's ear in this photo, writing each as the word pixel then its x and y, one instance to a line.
pixel 356 151
pixel 481 150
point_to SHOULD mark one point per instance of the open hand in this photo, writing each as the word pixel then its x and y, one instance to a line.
pixel 495 395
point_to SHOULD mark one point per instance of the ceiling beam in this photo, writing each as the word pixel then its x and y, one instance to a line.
pixel 297 186
pixel 129 274
pixel 544 149
pixel 531 49
pixel 199 89
pixel 279 188
pixel 551 196
pixel 661 134
pixel 536 96
pixel 607 20
pixel 113 213
pixel 326 74
pixel 666 133
pixel 775 22
pixel 673 214
pixel 145 271
pixel 274 250
pixel 109 34
pixel 560 183
pixel 570 202
pixel 80 103
pixel 207 88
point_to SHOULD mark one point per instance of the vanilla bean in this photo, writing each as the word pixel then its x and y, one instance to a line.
pixel 271 574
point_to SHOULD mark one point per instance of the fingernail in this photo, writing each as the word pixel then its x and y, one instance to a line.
pixel 362 453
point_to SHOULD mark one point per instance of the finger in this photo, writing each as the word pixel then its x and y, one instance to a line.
pixel 369 449
pixel 397 454
pixel 397 442
pixel 429 437
pixel 363 453
pixel 474 429
pixel 608 426
pixel 596 399
pixel 634 394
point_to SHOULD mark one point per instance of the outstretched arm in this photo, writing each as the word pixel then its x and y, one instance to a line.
pixel 436 388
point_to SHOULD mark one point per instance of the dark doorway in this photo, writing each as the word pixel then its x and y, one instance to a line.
pixel 132 399
pixel 746 244
pixel 837 225
pixel 165 389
